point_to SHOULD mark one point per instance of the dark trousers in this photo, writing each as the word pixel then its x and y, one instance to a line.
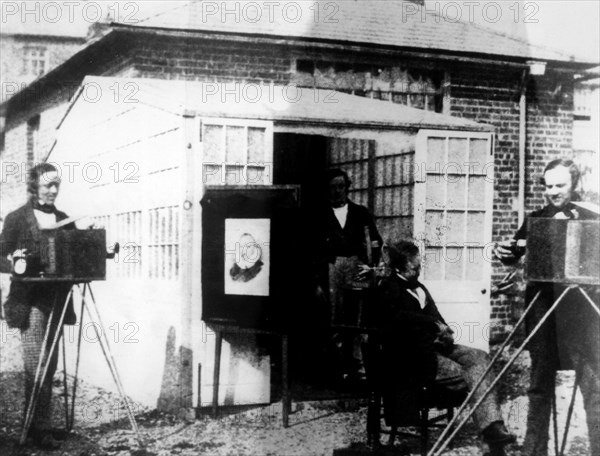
pixel 568 339
pixel 466 365
pixel 32 340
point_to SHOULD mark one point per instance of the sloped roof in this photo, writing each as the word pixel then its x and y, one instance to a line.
pixel 16 24
pixel 393 23
pixel 273 102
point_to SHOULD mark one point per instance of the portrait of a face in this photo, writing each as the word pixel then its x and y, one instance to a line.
pixel 247 256
pixel 248 263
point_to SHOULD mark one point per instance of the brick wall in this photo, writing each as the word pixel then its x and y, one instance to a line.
pixel 13 188
pixel 212 61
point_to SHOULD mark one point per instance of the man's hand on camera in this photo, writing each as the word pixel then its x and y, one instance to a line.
pixel 88 223
pixel 503 251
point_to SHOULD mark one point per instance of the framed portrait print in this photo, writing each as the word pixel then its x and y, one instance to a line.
pixel 249 274
pixel 247 259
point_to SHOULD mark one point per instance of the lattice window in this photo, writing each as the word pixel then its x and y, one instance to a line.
pixel 583 103
pixel 236 154
pixel 33 139
pixel 382 180
pixel 128 232
pixel 163 243
pixel 353 155
pixel 35 60
pixel 457 189
pixel 418 88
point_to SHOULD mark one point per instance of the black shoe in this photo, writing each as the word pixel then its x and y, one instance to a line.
pixel 496 450
pixel 496 433
pixel 43 439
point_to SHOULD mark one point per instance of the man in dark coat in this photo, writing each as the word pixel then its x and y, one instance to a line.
pixel 416 337
pixel 29 305
pixel 347 240
pixel 570 337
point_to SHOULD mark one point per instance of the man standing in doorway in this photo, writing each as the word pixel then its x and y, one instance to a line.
pixel 570 337
pixel 348 240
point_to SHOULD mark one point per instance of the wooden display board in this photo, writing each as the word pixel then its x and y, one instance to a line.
pixel 248 255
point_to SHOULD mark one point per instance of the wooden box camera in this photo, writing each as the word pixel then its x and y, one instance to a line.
pixel 70 254
pixel 563 251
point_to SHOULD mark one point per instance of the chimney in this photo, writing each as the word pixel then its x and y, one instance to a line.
pixel 98 29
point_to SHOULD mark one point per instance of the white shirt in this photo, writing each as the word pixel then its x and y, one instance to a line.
pixel 341 214
pixel 418 292
pixel 44 220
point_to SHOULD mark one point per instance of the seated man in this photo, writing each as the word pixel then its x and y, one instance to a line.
pixel 416 335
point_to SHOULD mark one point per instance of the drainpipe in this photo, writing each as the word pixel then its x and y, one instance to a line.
pixel 522 148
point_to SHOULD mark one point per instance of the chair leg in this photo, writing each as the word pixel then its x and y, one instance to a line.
pixel 393 433
pixel 424 430
pixel 373 418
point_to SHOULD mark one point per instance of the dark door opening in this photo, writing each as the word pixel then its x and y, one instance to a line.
pixel 314 363
pixel 301 159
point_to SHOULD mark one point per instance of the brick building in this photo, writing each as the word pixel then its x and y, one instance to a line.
pixel 27 55
pixel 380 50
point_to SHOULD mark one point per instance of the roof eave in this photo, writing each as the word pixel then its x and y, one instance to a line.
pixel 380 125
pixel 80 39
pixel 351 45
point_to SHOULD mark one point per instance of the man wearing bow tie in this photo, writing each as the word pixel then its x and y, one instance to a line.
pixel 416 335
pixel 569 339
pixel 29 305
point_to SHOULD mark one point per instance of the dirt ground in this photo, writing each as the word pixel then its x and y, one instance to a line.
pixel 316 428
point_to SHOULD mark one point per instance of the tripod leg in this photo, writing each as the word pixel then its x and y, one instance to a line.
pixel 583 292
pixel 104 344
pixel 76 377
pixel 40 377
pixel 499 376
pixel 480 380
pixel 555 423
pixel 65 386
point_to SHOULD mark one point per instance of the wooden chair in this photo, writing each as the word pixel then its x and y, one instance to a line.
pixel 430 397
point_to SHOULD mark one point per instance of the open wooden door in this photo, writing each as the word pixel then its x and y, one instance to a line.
pixel 453 219
pixel 231 152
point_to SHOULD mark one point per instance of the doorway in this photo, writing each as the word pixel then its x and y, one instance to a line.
pixel 302 159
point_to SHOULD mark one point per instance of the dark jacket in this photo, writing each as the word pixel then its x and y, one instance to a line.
pixel 409 348
pixel 574 323
pixel 21 231
pixel 408 331
pixel 336 241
